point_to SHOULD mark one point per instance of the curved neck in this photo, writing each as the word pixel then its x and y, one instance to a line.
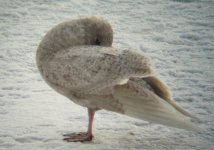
pixel 86 31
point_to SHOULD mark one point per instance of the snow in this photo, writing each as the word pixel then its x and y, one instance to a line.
pixel 177 34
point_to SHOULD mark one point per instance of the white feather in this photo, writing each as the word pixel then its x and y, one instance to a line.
pixel 144 104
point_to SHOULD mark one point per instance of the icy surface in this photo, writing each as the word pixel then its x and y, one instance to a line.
pixel 177 34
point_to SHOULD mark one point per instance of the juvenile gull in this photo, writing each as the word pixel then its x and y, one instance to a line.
pixel 76 58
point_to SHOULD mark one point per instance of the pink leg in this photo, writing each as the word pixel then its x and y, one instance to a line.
pixel 82 136
pixel 91 119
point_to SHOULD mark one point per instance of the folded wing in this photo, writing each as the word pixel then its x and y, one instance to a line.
pixel 151 101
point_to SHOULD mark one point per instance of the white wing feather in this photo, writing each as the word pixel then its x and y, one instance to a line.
pixel 140 102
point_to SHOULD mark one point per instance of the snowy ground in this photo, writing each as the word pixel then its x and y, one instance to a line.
pixel 177 34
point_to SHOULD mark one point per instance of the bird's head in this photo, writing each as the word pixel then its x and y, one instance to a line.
pixel 97 31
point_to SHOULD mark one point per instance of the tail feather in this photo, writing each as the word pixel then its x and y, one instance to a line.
pixel 165 115
pixel 181 110
pixel 144 104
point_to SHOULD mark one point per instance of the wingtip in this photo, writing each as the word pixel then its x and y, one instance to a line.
pixel 190 125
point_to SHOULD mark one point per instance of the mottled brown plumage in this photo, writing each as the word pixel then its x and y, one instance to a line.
pixel 76 58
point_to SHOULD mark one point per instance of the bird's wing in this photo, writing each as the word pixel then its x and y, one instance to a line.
pixel 87 69
pixel 139 98
pixel 163 91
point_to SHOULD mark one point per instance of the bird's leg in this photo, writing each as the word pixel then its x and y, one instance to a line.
pixel 91 113
pixel 82 136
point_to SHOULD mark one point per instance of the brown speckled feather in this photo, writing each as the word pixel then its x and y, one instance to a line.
pixel 76 58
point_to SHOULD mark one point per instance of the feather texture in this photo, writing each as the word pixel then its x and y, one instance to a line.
pixel 77 60
pixel 140 101
pixel 87 69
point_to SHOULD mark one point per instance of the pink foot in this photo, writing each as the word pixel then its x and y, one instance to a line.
pixel 82 136
pixel 78 137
